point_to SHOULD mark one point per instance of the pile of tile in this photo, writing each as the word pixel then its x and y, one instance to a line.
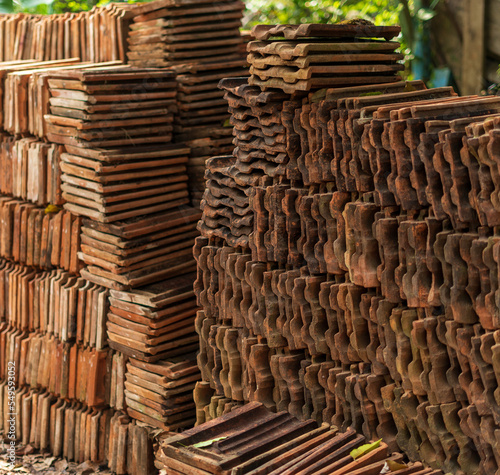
pixel 55 425
pixel 26 93
pixel 154 322
pixel 41 313
pixel 225 204
pixel 201 150
pixel 79 433
pixel 309 57
pixel 253 440
pixel 169 32
pixel 14 93
pixel 58 303
pixel 259 134
pixel 201 42
pixel 111 185
pixel 201 104
pixel 123 170
pixel 154 326
pixel 259 155
pixel 130 450
pixel 65 369
pixel 201 122
pixel 94 138
pixel 139 251
pixel 30 170
pixel 131 187
pixel 34 237
pixel 161 394
pixel 96 35
pixel 363 296
pixel 109 107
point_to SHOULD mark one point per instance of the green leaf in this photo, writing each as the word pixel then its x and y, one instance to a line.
pixel 6 6
pixel 373 93
pixel 426 14
pixel 364 449
pixel 227 123
pixel 207 443
pixel 52 209
pixel 395 466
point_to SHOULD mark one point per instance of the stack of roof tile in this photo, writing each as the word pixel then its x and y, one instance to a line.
pixel 30 170
pixel 63 368
pixel 154 322
pixel 27 95
pixel 15 95
pixel 373 266
pixel 66 370
pixel 16 92
pixel 130 450
pixel 96 35
pixel 137 235
pixel 201 42
pixel 201 104
pixel 111 185
pixel 161 394
pixel 317 56
pixel 201 149
pixel 55 425
pixel 55 302
pixel 257 119
pixel 102 152
pixel 202 119
pixel 79 433
pixel 111 107
pixel 114 124
pixel 253 440
pixel 365 293
pixel 34 237
pixel 139 251
pixel 225 204
pixel 168 32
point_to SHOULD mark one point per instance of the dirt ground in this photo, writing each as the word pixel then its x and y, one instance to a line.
pixel 29 461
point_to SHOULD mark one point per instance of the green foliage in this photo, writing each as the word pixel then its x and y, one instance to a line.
pixel 45 7
pixel 381 12
pixel 62 6
pixel 415 17
pixel 8 6
pixel 41 7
